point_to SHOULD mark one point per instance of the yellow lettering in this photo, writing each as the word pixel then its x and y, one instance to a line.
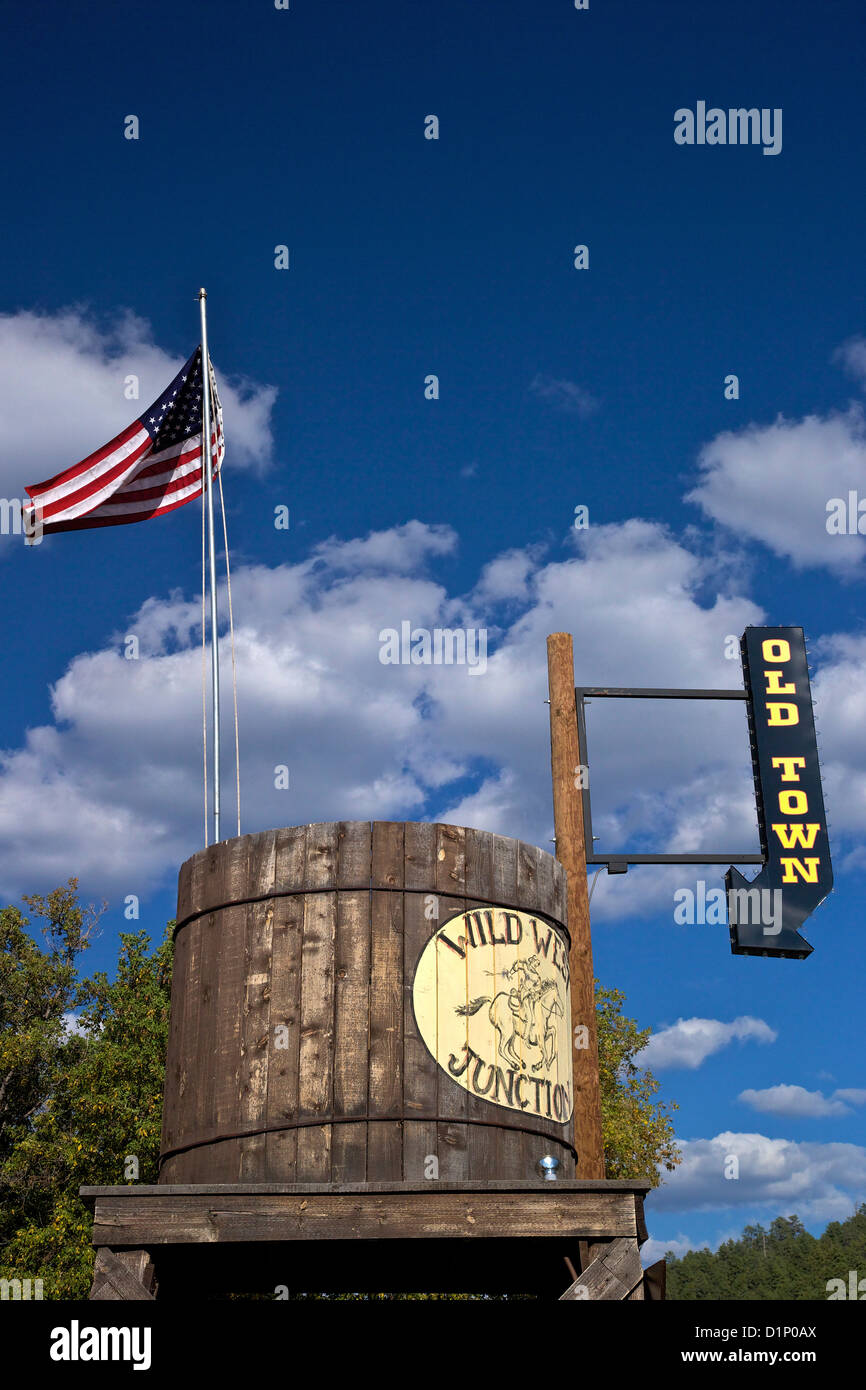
pixel 794 835
pixel 773 686
pixel 773 650
pixel 775 709
pixel 807 868
pixel 787 765
pixel 793 804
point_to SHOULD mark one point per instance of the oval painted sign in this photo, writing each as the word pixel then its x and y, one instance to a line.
pixel 492 1003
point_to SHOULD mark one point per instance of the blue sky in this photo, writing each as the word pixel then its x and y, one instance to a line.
pixel 558 387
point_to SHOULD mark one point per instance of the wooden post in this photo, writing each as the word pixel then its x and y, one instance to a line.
pixel 571 852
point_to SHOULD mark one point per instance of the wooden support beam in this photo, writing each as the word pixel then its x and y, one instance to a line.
pixel 655 1281
pixel 123 1275
pixel 203 1218
pixel 615 1274
pixel 571 852
pixel 136 1226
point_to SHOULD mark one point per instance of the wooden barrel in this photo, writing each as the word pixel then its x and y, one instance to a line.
pixel 356 1002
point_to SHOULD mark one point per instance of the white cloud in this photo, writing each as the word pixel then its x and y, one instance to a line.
pixel 567 396
pixel 63 392
pixel 491 806
pixel 818 1182
pixel 653 1249
pixel 856 1095
pixel 399 550
pixel 772 483
pixel 839 692
pixel 110 788
pixel 508 576
pixel 620 596
pixel 852 355
pixel 690 1041
pixel 72 1026
pixel 794 1101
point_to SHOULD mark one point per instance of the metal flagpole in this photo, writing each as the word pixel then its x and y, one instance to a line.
pixel 215 660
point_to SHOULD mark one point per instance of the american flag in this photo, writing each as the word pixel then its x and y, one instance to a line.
pixel 153 466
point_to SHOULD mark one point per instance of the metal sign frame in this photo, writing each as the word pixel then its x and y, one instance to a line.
pixel 619 863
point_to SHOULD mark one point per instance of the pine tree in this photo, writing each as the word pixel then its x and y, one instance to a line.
pixel 784 1263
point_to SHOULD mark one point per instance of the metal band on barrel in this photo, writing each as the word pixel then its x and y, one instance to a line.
pixel 322 1120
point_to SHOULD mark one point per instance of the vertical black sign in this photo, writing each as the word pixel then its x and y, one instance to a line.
pixel 766 914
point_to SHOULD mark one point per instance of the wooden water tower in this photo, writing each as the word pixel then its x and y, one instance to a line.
pixel 373 1082
pixel 370 1042
pixel 326 1015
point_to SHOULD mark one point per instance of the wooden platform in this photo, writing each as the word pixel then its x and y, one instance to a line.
pixel 567 1239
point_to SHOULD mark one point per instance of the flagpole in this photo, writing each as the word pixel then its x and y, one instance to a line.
pixel 215 660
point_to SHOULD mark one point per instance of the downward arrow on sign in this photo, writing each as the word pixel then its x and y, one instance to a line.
pixel 764 916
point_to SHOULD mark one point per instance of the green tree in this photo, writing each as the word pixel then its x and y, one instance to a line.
pixel 638 1129
pixel 782 1264
pixel 83 1106
pixel 37 987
